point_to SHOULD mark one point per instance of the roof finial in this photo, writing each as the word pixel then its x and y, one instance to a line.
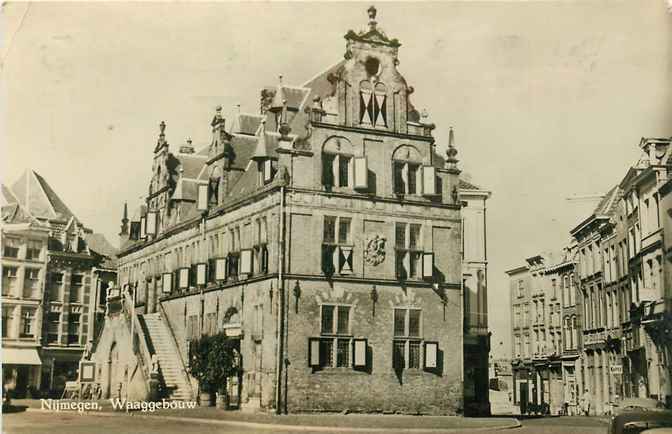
pixel 372 17
pixel 125 218
pixel 162 127
pixel 451 153
pixel 260 152
pixel 280 79
pixel 238 108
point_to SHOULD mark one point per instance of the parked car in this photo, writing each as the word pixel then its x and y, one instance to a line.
pixel 637 421
pixel 636 404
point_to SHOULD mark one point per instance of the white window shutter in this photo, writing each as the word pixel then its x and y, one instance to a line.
pixel 143 227
pixel 429 180
pixel 314 351
pixel 351 172
pixel 167 283
pixel 184 278
pixel 431 353
pixel 151 223
pixel 427 265
pixel 404 176
pixel 361 173
pixel 359 350
pixel 268 170
pixel 220 269
pixel 202 197
pixel 334 171
pixel 246 261
pixel 201 274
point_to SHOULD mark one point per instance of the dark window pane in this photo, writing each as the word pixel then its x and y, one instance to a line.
pixel 329 235
pixel 400 235
pixel 328 266
pixel 412 178
pixel 414 237
pixel 327 319
pixel 343 230
pixel 414 322
pixel 76 280
pixel 326 352
pixel 400 322
pixel 399 186
pixel 343 164
pixel 327 170
pixel 398 351
pixel 343 353
pixel 343 319
pixel 414 354
pixel 402 273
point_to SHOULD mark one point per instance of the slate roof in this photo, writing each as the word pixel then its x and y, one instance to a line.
pixel 36 195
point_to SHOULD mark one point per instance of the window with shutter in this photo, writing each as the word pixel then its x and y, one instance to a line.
pixel 183 278
pixel 407 338
pixel 143 228
pixel 337 250
pixel 167 283
pixel 151 223
pixel 335 342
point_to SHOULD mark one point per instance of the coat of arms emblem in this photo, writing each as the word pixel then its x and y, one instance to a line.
pixel 374 254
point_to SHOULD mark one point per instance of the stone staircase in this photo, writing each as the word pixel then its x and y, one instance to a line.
pixel 169 363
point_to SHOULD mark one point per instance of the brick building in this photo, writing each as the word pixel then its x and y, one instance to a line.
pixel 323 235
pixel 66 294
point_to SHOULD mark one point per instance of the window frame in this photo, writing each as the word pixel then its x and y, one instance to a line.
pixel 409 258
pixel 408 340
pixel 332 249
pixel 333 338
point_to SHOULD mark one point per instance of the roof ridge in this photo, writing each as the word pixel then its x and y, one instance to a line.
pixel 39 180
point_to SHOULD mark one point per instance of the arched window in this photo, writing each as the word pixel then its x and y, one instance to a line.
pixel 372 104
pixel 337 163
pixel 575 338
pixel 406 173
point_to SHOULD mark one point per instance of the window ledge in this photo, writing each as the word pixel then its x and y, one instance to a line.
pixel 338 371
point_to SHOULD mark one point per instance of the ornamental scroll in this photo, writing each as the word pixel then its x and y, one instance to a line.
pixel 374 253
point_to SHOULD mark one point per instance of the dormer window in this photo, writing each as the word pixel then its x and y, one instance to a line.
pixel 373 104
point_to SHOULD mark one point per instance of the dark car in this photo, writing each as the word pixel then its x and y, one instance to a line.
pixel 639 421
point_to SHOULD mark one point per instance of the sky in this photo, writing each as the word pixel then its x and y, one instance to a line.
pixel 548 99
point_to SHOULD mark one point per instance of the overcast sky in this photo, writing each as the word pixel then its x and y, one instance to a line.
pixel 548 99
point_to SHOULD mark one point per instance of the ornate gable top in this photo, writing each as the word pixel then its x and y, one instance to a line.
pixel 373 34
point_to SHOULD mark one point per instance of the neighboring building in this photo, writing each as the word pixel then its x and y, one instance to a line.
pixel 536 296
pixel 324 236
pixel 647 334
pixel 24 265
pixel 68 290
pixel 616 339
pixel 475 275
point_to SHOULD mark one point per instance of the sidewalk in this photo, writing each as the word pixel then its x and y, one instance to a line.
pixel 328 422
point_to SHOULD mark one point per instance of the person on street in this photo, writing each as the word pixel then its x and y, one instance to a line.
pixel 585 403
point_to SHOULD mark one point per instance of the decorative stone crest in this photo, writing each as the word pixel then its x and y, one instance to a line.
pixel 374 254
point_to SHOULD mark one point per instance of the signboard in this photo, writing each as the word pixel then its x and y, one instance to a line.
pixel 616 369
pixel 87 372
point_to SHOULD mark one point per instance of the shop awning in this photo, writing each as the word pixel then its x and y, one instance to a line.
pixel 20 356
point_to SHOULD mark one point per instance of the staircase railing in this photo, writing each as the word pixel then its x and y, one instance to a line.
pixel 173 341
pixel 141 349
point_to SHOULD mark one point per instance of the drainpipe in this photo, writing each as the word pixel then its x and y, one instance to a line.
pixel 280 308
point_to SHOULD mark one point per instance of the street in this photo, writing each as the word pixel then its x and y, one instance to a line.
pixel 43 422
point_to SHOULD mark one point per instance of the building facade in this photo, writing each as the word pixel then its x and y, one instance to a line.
pixel 616 331
pixel 67 288
pixel 24 269
pixel 324 236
